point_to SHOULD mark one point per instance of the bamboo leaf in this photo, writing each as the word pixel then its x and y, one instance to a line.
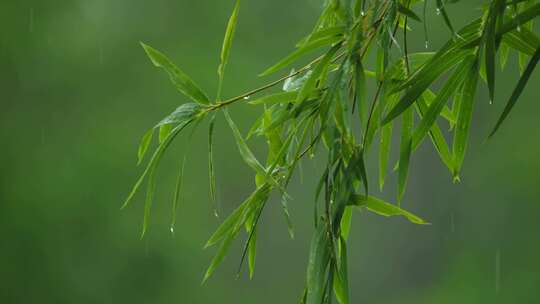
pixel 143 146
pixel 183 83
pixel 408 12
pixel 442 10
pixel 319 256
pixel 384 152
pixel 156 157
pixel 211 173
pixel 341 280
pixel 383 208
pixel 517 90
pixel 436 107
pixel 245 151
pixel 307 48
pixel 423 79
pixel 405 152
pixel 311 82
pixel 464 118
pixel 164 131
pixel 227 43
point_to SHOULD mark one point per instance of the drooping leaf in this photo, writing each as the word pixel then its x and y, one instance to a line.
pixel 517 90
pixel 211 173
pixel 436 107
pixel 405 149
pixel 341 280
pixel 177 192
pixel 383 208
pixel 384 152
pixel 421 80
pixel 319 256
pixel 442 10
pixel 465 110
pixel 156 157
pixel 245 151
pixel 143 146
pixel 183 83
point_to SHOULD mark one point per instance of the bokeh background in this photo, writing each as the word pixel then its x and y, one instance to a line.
pixel 77 93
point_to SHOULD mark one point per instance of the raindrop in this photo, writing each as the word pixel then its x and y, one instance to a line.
pixel 362 13
pixel 438 11
pixel 491 101
pixel 426 44
pixel 216 214
pixel 246 97
pixel 172 230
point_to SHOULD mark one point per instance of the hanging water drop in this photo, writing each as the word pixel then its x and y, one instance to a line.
pixel 246 97
pixel 438 11
pixel 426 44
pixel 172 230
pixel 362 13
pixel 491 101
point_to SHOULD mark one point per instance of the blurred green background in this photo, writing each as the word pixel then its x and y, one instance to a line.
pixel 77 93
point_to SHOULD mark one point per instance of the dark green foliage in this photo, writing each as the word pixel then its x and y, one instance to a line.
pixel 324 109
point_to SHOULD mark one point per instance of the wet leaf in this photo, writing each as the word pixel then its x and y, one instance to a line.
pixel 183 83
pixel 383 208
pixel 518 90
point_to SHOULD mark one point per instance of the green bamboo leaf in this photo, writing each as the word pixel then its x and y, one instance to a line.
pixel 384 152
pixel 228 224
pixel 183 83
pixel 522 18
pixel 281 97
pixel 143 146
pixel 219 257
pixel 523 41
pixel 383 208
pixel 464 118
pixel 436 107
pixel 325 32
pixel 435 133
pixel 178 192
pixel 155 159
pixel 421 80
pixel 311 82
pixel 408 12
pixel 341 280
pixel 518 90
pixel 185 112
pixel 491 44
pixel 307 48
pixel 252 252
pixel 211 173
pixel 164 131
pixel 245 151
pixel 319 256
pixel 442 10
pixel 404 152
pixel 227 43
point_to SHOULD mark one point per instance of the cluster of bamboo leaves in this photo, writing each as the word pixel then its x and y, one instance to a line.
pixel 323 108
